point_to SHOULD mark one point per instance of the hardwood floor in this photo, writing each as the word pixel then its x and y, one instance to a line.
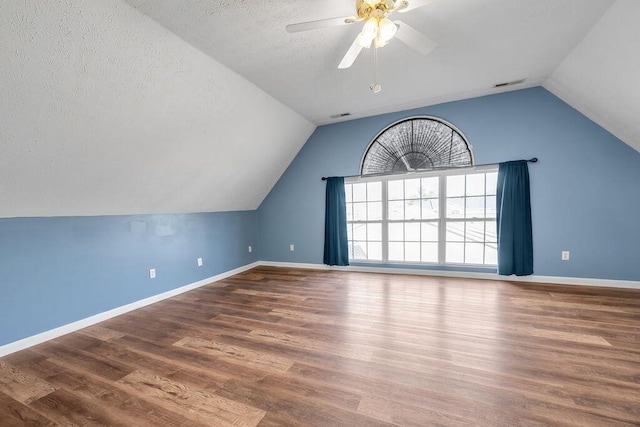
pixel 278 347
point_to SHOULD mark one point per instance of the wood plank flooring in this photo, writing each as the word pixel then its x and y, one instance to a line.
pixel 280 347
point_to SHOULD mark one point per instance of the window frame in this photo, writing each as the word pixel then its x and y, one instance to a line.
pixel 442 220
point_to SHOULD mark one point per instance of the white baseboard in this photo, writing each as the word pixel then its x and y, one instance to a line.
pixel 89 321
pixel 101 317
pixel 575 281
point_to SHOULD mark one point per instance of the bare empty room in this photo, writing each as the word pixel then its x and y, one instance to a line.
pixel 319 213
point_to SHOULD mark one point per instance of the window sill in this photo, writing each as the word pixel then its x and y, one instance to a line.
pixel 440 267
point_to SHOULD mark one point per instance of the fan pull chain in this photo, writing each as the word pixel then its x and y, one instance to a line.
pixel 375 87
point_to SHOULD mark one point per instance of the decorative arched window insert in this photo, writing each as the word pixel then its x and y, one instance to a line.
pixel 416 144
pixel 420 199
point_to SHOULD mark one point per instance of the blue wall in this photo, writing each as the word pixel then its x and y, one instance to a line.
pixel 54 271
pixel 585 196
pixel 585 189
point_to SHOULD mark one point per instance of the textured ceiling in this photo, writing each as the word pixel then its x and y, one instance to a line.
pixel 480 43
pixel 200 105
pixel 103 111
pixel 599 78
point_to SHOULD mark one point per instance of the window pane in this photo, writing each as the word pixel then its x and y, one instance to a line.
pixel 374 211
pixel 412 209
pixel 430 209
pixel 455 186
pixel 429 232
pixel 412 252
pixel 359 231
pixel 375 251
pixel 412 232
pixel 396 210
pixel 396 190
pixel 455 232
pixel 455 252
pixel 491 254
pixel 475 207
pixel 374 232
pixel 475 184
pixel 347 192
pixel 374 191
pixel 474 253
pixel 491 233
pixel 492 182
pixel 396 232
pixel 360 250
pixel 360 192
pixel 396 251
pixel 429 252
pixel 491 206
pixel 430 187
pixel 412 189
pixel 470 237
pixel 455 208
pixel 359 211
pixel 474 231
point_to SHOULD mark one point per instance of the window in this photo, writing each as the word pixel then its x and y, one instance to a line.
pixel 446 217
pixel 364 220
pixel 414 144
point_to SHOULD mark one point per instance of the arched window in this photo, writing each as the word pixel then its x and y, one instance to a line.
pixel 416 144
pixel 421 200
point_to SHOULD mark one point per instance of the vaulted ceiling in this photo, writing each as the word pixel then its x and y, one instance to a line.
pixel 480 43
pixel 158 106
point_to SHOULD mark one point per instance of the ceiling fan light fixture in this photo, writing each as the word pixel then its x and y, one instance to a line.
pixel 369 33
pixel 377 28
pixel 386 29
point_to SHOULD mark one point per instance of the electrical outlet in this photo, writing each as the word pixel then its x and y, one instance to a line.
pixel 292 248
pixel 199 262
pixel 250 249
pixel 565 255
pixel 152 273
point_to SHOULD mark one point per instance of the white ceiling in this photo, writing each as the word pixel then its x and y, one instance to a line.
pixel 600 76
pixel 103 111
pixel 481 43
pixel 160 106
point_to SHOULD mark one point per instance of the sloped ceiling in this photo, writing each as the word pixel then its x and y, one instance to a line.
pixel 104 111
pixel 600 76
pixel 109 107
pixel 480 43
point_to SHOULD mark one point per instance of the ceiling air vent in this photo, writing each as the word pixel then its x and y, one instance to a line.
pixel 337 116
pixel 515 82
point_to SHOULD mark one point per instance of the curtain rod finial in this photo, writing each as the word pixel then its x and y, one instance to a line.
pixel 534 160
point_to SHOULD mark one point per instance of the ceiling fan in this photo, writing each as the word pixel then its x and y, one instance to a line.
pixel 378 29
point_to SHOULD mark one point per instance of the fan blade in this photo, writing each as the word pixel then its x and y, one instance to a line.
pixel 413 4
pixel 351 55
pixel 414 39
pixel 322 23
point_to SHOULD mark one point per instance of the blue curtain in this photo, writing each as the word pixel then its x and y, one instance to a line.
pixel 515 241
pixel 336 245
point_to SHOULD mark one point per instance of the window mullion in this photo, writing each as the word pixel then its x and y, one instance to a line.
pixel 442 231
pixel 385 222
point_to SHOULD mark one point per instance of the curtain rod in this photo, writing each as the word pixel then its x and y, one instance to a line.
pixel 324 178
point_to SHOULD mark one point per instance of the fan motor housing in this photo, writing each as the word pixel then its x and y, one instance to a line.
pixel 378 10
